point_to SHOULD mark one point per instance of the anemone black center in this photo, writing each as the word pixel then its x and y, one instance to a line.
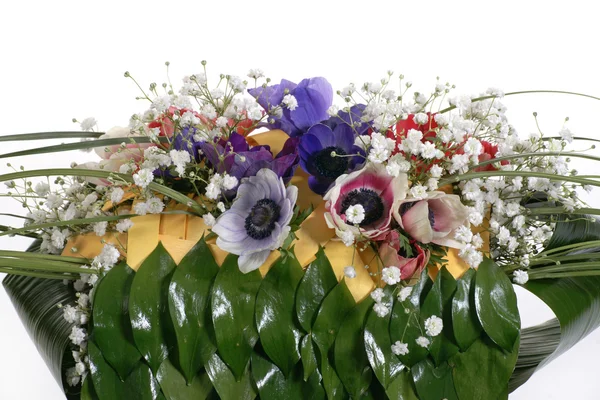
pixel 261 221
pixel 370 201
pixel 328 166
pixel 404 207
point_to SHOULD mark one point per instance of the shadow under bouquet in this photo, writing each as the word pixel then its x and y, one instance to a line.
pixel 254 240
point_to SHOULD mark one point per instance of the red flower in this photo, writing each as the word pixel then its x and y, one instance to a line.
pixel 403 126
pixel 409 267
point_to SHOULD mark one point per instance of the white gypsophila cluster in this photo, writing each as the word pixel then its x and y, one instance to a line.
pixel 391 275
pixel 433 326
pixel 380 307
pixel 350 272
pixel 219 183
pixel 78 315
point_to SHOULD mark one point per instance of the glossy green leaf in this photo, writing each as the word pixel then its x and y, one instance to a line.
pixel 406 326
pixel 226 385
pixel 317 281
pixel 112 326
pixel 575 301
pixel 87 390
pixel 438 303
pixel 483 371
pixel 329 318
pixel 140 385
pixel 378 344
pixel 272 384
pixel 176 387
pixel 106 382
pixel 350 356
pixel 307 353
pixel 233 299
pixel 36 302
pixel 148 306
pixel 189 307
pixel 465 324
pixel 275 305
pixel 496 305
pixel 434 383
pixel 402 387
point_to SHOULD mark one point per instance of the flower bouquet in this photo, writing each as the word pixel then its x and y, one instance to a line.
pixel 250 239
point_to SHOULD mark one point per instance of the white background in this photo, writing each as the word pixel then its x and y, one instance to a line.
pixel 65 59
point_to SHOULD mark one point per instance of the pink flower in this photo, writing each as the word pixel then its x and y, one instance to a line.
pixel 375 190
pixel 115 156
pixel 408 266
pixel 432 220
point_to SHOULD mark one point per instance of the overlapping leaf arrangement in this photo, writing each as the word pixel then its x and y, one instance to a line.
pixel 196 331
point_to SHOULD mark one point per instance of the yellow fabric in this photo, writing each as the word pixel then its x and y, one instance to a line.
pixel 180 232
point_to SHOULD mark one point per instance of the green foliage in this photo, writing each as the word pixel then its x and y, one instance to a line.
pixel 197 331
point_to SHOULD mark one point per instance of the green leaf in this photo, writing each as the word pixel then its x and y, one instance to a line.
pixel 307 353
pixel 335 306
pixel 574 300
pixel 378 344
pixel 233 299
pixel 275 306
pixel 464 318
pixel 189 307
pixel 112 326
pixel 148 306
pixel 483 371
pixel 437 303
pixel 141 385
pixel 175 386
pixel 318 280
pixel 405 323
pixel 49 135
pixel 107 383
pixel 87 390
pixel 36 302
pixel 434 383
pixel 226 385
pixel 496 305
pixel 351 362
pixel 272 384
pixel 402 388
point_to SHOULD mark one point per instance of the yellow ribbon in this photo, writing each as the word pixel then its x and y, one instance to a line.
pixel 180 232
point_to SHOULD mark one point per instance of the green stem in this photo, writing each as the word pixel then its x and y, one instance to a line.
pixel 556 275
pixel 4 228
pixel 50 135
pixel 38 274
pixel 27 254
pixel 563 249
pixel 565 268
pixel 173 194
pixel 46 266
pixel 77 221
pixel 538 154
pixel 561 210
pixel 552 177
pixel 523 92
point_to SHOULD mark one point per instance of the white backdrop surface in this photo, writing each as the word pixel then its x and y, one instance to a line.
pixel 65 59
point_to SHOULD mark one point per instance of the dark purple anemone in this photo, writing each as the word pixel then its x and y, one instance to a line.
pixel 316 148
pixel 314 97
pixel 241 161
pixel 184 140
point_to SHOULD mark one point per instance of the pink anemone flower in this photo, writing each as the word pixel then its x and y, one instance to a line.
pixel 375 190
pixel 433 219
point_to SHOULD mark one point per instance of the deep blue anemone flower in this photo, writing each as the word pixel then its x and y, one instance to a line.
pixel 353 118
pixel 317 159
pixel 314 97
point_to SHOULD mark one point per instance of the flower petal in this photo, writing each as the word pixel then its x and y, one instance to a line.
pixel 415 222
pixel 250 262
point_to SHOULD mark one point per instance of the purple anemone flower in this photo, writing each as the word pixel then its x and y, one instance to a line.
pixel 314 97
pixel 185 140
pixel 316 148
pixel 241 161
pixel 258 220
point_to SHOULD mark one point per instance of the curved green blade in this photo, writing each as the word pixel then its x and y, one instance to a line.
pixel 574 300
